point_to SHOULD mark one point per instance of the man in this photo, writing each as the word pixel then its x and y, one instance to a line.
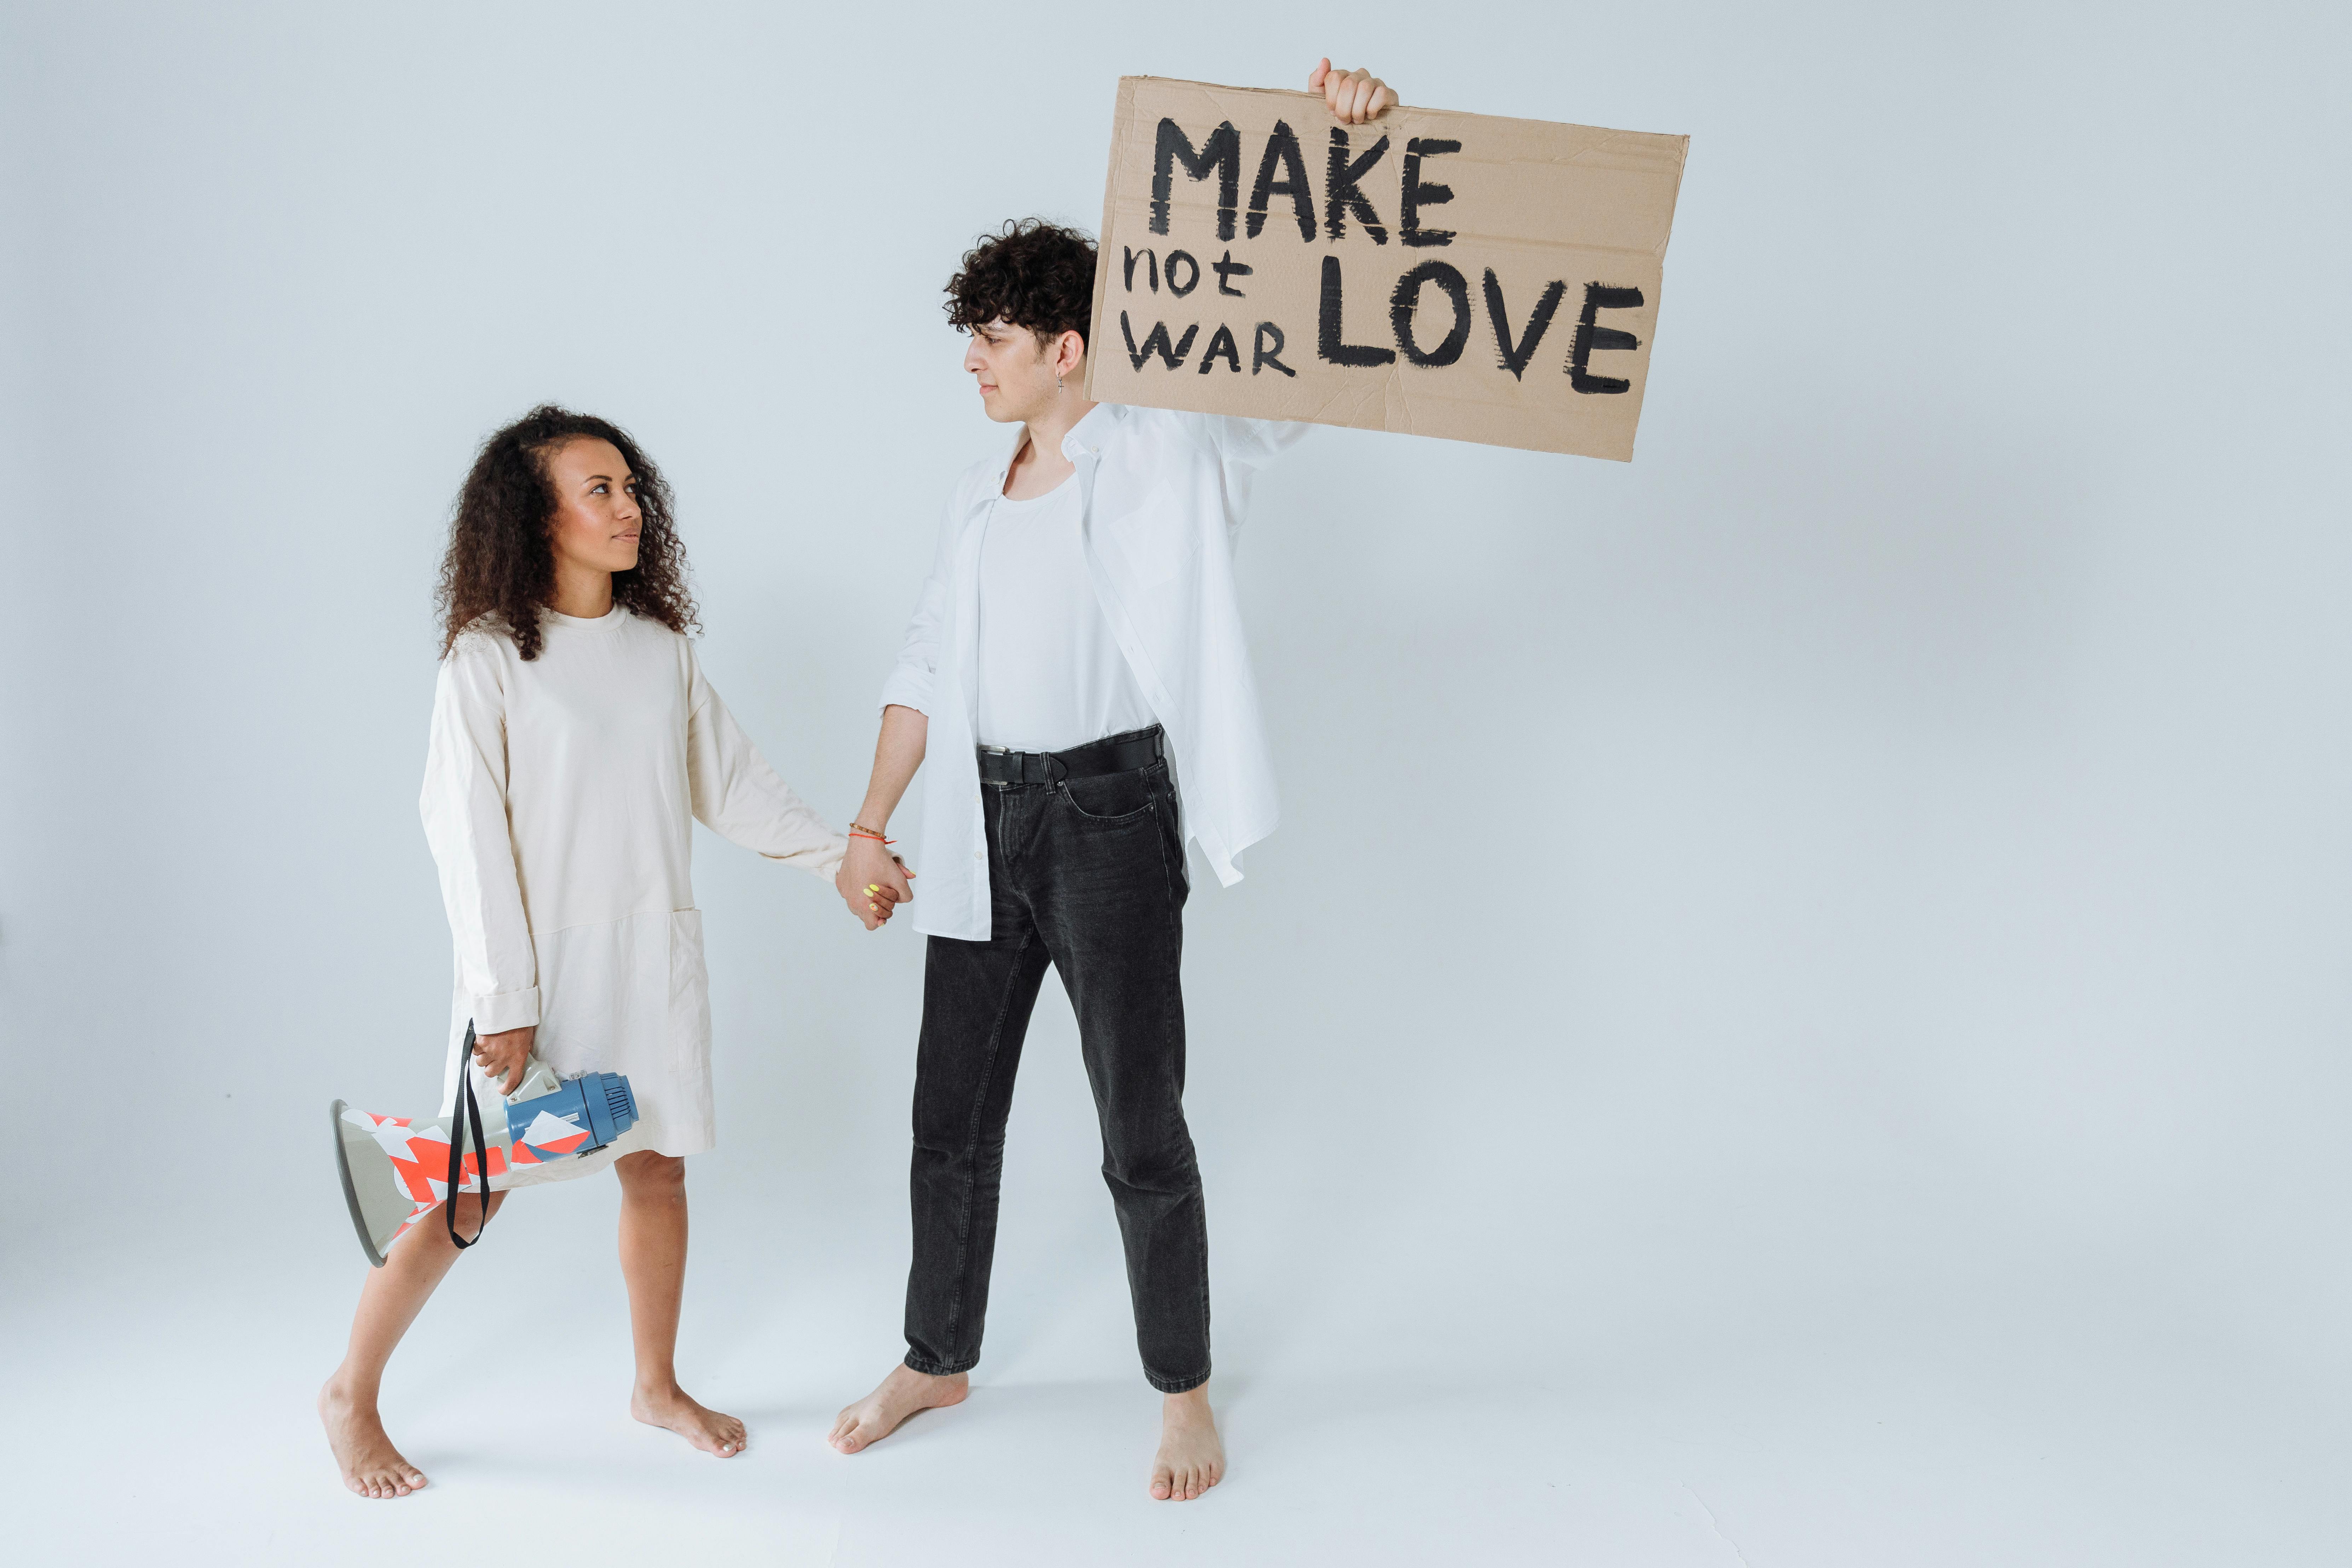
pixel 1076 649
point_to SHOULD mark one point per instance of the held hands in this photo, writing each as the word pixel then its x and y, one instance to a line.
pixel 1356 98
pixel 502 1055
pixel 873 882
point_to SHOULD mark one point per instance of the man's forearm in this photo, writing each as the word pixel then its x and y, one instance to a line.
pixel 896 755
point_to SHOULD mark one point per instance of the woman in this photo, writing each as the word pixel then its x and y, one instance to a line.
pixel 573 736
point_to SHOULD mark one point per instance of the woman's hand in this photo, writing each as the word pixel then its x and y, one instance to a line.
pixel 1356 98
pixel 873 882
pixel 503 1055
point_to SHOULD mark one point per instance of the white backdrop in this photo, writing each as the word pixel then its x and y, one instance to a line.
pixel 1796 1014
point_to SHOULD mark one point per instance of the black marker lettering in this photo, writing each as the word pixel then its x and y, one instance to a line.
pixel 1588 337
pixel 1408 296
pixel 1190 283
pixel 1340 195
pixel 1223 343
pixel 1283 145
pixel 1156 343
pixel 1222 152
pixel 1262 353
pixel 1515 359
pixel 1229 267
pixel 1418 194
pixel 1150 261
pixel 1327 327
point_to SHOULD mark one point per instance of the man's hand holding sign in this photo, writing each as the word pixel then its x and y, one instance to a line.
pixel 1361 263
pixel 1354 98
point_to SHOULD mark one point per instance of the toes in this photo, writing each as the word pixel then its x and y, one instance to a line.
pixel 1162 1485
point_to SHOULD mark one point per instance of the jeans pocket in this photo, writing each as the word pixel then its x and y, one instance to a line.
pixel 1110 797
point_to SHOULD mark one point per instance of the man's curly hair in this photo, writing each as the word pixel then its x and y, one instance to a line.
pixel 501 563
pixel 1034 274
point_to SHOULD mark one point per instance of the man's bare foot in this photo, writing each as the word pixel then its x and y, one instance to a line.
pixel 900 1394
pixel 371 1467
pixel 1192 1457
pixel 705 1428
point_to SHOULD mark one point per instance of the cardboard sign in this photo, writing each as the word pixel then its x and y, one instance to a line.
pixel 1438 274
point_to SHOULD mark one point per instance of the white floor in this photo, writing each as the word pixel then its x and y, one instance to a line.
pixel 1702 1441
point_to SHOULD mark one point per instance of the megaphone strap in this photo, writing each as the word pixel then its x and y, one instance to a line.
pixel 468 1111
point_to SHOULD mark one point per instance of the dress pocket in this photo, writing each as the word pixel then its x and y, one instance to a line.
pixel 689 993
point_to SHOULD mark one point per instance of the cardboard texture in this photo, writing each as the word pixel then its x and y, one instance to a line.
pixel 1433 273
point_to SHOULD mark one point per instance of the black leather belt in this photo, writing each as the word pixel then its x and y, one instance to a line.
pixel 1118 754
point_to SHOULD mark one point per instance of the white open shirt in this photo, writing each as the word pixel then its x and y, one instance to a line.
pixel 1162 495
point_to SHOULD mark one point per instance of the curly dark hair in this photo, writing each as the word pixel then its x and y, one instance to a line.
pixel 1033 273
pixel 500 559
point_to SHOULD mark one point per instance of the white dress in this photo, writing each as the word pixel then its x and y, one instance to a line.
pixel 559 799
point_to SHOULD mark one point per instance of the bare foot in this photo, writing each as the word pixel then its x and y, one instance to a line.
pixel 1192 1457
pixel 900 1394
pixel 371 1467
pixel 705 1428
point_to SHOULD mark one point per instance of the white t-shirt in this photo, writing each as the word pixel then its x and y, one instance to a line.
pixel 1051 672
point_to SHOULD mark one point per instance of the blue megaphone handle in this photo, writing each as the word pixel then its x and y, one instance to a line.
pixel 601 1103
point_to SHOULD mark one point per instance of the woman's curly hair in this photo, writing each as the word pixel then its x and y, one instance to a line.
pixel 501 561
pixel 1034 274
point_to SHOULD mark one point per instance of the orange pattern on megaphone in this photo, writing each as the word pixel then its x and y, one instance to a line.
pixel 395 1169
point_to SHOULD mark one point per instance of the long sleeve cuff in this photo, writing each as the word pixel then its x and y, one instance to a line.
pixel 824 863
pixel 502 1010
pixel 908 689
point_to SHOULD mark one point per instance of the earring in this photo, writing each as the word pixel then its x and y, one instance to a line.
pixel 1057 385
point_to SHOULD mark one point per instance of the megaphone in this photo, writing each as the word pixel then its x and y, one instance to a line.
pixel 396 1168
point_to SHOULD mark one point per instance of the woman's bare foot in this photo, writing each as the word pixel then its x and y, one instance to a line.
pixel 371 1467
pixel 705 1428
pixel 1192 1457
pixel 901 1394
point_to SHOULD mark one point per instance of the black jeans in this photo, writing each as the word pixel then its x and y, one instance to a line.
pixel 1087 875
